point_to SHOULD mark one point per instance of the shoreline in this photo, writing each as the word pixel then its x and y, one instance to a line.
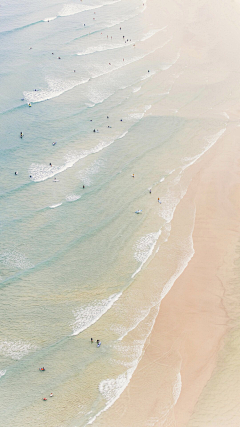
pixel 192 321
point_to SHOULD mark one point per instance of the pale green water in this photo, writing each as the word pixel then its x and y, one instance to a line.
pixel 69 255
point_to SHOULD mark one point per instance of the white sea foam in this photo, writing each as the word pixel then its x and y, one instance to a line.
pixel 13 258
pixel 146 76
pixel 144 249
pixel 2 372
pixel 112 388
pixel 41 172
pixel 211 140
pixel 73 8
pixel 152 33
pixel 226 115
pixel 15 349
pixel 177 388
pixel 86 174
pixel 55 206
pixel 101 48
pixel 72 198
pixel 138 115
pixel 49 19
pixel 89 314
pixel 136 89
pixel 167 66
pixel 55 88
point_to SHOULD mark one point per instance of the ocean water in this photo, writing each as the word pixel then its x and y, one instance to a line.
pixel 71 257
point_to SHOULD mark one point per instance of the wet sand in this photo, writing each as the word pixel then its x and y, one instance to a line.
pixel 192 321
pixel 195 318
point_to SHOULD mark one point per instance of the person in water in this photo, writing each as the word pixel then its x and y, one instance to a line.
pixel 91 340
pixel 44 398
pixel 97 342
pixel 84 187
pixel 51 395
pixel 16 173
pixel 50 164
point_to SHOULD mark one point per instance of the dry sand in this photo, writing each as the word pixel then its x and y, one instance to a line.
pixel 193 321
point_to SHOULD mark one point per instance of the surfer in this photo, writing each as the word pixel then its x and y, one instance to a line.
pixel 21 134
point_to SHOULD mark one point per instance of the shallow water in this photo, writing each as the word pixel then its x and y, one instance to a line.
pixel 71 256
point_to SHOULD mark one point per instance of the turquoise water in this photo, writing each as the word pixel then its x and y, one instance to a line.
pixel 71 256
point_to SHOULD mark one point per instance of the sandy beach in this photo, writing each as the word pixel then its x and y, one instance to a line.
pixel 120 215
pixel 192 322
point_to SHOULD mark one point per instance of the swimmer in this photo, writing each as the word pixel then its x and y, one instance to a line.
pixel 29 105
pixel 133 175
pixel 150 191
pixel 16 173
pixel 21 134
pixel 110 127
pixel 59 57
pixel 94 130
pixel 54 143
pixel 30 48
pixel 148 71
pixel 55 180
pixel 120 120
pixel 91 120
pixel 83 186
pixel 109 63
pixel 50 164
pixel 107 117
pixel 91 340
pixel 159 201
pixel 52 53
pixel 51 394
pixel 74 71
pixel 30 176
pixel 44 398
